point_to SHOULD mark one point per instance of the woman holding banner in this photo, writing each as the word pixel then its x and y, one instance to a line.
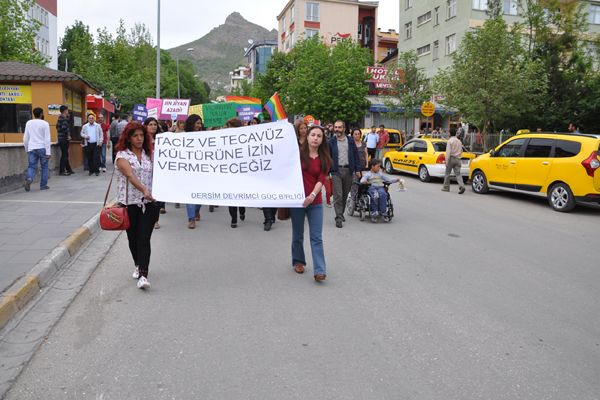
pixel 315 161
pixel 193 123
pixel 233 211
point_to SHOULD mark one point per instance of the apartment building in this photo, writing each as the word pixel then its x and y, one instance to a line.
pixel 387 43
pixel 46 41
pixel 332 20
pixel 435 28
pixel 258 56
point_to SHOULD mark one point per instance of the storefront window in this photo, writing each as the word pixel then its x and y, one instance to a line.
pixel 13 117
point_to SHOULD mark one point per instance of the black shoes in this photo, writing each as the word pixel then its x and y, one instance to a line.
pixel 268 225
pixel 338 223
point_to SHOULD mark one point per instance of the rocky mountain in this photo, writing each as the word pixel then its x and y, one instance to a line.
pixel 222 50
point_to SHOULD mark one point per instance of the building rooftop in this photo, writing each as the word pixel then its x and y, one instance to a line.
pixel 18 71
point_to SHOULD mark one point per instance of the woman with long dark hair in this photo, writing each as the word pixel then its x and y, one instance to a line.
pixel 134 190
pixel 315 161
pixel 193 123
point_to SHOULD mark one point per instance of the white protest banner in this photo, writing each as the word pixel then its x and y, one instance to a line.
pixel 174 106
pixel 251 166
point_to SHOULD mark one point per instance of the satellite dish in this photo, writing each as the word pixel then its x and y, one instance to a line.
pixel 250 41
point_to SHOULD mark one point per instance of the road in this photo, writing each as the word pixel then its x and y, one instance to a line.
pixel 459 297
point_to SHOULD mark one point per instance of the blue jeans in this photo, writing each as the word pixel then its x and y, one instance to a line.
pixel 34 156
pixel 379 198
pixel 192 209
pixel 314 214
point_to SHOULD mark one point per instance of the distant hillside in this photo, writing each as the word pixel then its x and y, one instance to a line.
pixel 222 50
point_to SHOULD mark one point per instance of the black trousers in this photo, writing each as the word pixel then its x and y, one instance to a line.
pixel 233 211
pixel 139 234
pixel 269 214
pixel 92 152
pixel 371 153
pixel 114 141
pixel 64 165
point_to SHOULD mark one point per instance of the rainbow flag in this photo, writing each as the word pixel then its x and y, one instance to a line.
pixel 243 100
pixel 275 108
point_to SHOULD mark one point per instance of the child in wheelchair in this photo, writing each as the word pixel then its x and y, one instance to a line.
pixel 380 203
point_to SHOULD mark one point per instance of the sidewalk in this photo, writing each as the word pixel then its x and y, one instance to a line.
pixel 33 224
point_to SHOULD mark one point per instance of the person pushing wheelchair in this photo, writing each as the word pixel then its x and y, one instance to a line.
pixel 379 196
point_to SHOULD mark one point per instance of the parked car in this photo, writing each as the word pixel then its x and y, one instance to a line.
pixel 424 157
pixel 395 138
pixel 560 166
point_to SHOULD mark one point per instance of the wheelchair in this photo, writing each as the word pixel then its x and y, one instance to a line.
pixel 359 202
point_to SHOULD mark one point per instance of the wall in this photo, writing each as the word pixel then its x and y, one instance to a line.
pixel 13 164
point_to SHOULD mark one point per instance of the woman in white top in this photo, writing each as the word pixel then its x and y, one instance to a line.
pixel 134 173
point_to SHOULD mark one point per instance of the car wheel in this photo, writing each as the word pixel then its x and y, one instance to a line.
pixel 479 183
pixel 388 166
pixel 561 198
pixel 424 174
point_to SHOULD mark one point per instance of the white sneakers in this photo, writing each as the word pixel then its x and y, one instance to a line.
pixel 143 283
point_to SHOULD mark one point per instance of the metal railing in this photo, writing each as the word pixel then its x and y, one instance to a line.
pixel 474 142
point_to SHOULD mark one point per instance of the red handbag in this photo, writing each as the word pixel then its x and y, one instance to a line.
pixel 116 217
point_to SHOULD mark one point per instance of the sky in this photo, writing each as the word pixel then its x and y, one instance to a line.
pixel 183 21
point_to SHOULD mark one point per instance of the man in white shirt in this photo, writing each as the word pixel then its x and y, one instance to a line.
pixel 36 141
pixel 92 133
pixel 453 163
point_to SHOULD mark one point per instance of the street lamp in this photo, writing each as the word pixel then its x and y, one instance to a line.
pixel 178 91
pixel 158 53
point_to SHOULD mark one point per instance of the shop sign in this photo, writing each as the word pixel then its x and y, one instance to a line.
pixel 336 38
pixel 53 109
pixel 15 94
pixel 380 74
pixel 69 99
pixel 427 108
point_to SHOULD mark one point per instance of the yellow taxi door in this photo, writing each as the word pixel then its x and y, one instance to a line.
pixel 534 167
pixel 504 162
pixel 404 158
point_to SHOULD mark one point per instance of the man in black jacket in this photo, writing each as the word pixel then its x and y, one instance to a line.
pixel 63 127
pixel 345 165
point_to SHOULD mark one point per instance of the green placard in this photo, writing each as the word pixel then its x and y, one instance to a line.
pixel 216 114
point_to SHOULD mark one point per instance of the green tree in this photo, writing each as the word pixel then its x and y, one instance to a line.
pixel 76 49
pixel 327 82
pixel 18 33
pixel 491 81
pixel 125 64
pixel 409 89
pixel 557 38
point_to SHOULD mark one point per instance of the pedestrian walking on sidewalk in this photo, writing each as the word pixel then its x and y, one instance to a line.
pixel 105 127
pixel 343 169
pixel 134 190
pixel 315 161
pixel 453 163
pixel 92 133
pixel 63 128
pixel 36 141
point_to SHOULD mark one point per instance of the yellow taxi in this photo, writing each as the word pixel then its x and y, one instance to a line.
pixel 395 138
pixel 425 157
pixel 562 167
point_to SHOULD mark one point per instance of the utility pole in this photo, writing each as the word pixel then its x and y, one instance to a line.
pixel 158 53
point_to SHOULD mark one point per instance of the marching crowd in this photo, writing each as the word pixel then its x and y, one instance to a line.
pixel 331 161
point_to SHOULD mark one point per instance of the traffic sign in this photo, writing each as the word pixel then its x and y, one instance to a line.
pixel 427 108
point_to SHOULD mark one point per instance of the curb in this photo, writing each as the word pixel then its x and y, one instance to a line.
pixel 18 295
